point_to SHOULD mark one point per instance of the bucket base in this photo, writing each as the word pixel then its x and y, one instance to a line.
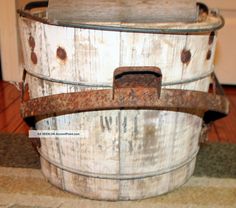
pixel 113 189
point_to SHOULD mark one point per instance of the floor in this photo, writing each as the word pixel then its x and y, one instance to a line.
pixel 199 192
pixel 11 122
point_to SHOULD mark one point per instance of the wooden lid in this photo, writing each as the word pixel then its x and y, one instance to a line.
pixel 122 11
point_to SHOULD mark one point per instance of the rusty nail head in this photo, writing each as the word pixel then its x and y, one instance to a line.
pixel 31 42
pixel 61 53
pixel 208 56
pixel 211 38
pixel 34 58
pixel 185 56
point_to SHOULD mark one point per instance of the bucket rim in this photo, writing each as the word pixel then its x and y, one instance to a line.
pixel 214 21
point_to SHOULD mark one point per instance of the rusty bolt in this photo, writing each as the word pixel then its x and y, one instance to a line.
pixel 211 38
pixel 208 56
pixel 31 42
pixel 61 53
pixel 34 58
pixel 185 56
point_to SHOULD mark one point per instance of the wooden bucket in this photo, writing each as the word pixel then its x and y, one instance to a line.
pixel 126 154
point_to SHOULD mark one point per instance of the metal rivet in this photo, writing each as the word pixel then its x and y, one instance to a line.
pixel 34 58
pixel 61 53
pixel 31 43
pixel 185 56
pixel 208 56
pixel 211 38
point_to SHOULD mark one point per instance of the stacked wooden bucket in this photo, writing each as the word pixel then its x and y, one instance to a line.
pixel 124 154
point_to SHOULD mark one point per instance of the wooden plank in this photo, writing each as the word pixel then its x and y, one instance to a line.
pixel 135 11
pixel 212 134
pixel 3 84
pixel 7 96
pixel 13 126
pixel 224 130
pixel 226 127
pixel 229 90
pixel 10 118
pixel 9 108
pixel 22 129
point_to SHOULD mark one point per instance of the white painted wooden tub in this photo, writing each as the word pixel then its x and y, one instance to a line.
pixel 127 154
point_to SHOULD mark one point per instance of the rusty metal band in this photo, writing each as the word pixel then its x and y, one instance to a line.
pixel 121 176
pixel 210 106
pixel 106 85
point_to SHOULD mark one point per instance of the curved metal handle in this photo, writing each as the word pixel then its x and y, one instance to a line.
pixel 130 93
pixel 36 4
pixel 137 77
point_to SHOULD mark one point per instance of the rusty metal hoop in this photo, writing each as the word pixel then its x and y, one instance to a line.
pixel 133 88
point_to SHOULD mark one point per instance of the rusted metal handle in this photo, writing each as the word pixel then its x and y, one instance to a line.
pixel 36 4
pixel 137 77
pixel 134 88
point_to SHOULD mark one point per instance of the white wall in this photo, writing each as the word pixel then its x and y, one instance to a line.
pixel 225 62
pixel 8 41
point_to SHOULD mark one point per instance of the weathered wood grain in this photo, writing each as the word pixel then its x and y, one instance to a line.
pixel 114 190
pixel 151 151
pixel 93 55
pixel 123 11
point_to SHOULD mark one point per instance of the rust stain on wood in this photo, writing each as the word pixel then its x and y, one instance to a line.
pixel 208 56
pixel 185 56
pixel 61 54
pixel 31 42
pixel 34 58
pixel 211 38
